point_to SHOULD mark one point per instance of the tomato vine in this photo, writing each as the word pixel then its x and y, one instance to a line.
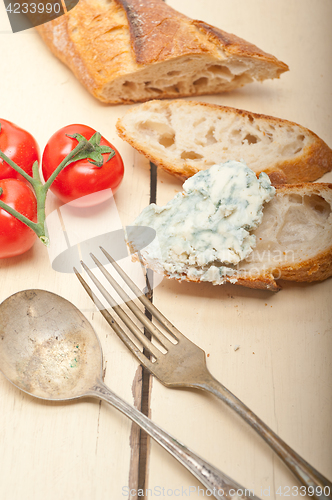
pixel 90 149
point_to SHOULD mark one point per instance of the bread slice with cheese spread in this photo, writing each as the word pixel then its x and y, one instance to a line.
pixel 294 240
pixel 184 137
pixel 234 228
pixel 126 51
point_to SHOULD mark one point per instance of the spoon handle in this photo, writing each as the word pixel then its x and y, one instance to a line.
pixel 314 483
pixel 218 483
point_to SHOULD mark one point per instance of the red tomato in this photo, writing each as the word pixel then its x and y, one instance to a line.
pixel 20 147
pixel 15 237
pixel 81 178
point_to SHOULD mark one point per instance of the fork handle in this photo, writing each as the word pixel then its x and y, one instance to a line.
pixel 305 473
pixel 218 483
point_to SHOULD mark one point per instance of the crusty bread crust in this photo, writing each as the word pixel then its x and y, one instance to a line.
pixel 236 45
pixel 113 45
pixel 306 165
pixel 300 261
pixel 157 32
pixel 318 267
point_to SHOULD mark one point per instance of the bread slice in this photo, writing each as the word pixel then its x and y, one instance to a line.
pixel 126 51
pixel 293 242
pixel 184 137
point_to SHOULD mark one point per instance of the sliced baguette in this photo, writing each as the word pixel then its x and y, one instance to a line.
pixel 126 51
pixel 294 241
pixel 184 137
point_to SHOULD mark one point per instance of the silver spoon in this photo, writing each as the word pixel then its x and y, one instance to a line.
pixel 49 350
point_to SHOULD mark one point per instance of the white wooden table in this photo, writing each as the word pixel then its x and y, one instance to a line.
pixel 282 369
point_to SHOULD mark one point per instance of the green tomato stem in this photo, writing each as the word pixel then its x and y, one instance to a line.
pixel 83 145
pixel 35 171
pixel 16 167
pixel 41 189
pixel 37 227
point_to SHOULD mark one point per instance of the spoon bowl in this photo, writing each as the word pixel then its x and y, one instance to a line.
pixel 47 347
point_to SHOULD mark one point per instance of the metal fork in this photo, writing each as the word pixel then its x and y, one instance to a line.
pixel 184 365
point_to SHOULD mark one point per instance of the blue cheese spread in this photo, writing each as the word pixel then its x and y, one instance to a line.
pixel 204 231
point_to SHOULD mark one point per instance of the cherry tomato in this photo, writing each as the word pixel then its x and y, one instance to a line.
pixel 20 147
pixel 81 178
pixel 15 237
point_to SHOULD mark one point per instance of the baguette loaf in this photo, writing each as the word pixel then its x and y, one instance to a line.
pixel 293 243
pixel 127 51
pixel 184 137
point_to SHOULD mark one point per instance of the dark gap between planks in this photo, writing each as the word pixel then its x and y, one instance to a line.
pixel 145 393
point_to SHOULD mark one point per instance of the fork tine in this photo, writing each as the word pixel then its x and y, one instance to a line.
pixel 175 333
pixel 123 315
pixel 164 341
pixel 115 326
